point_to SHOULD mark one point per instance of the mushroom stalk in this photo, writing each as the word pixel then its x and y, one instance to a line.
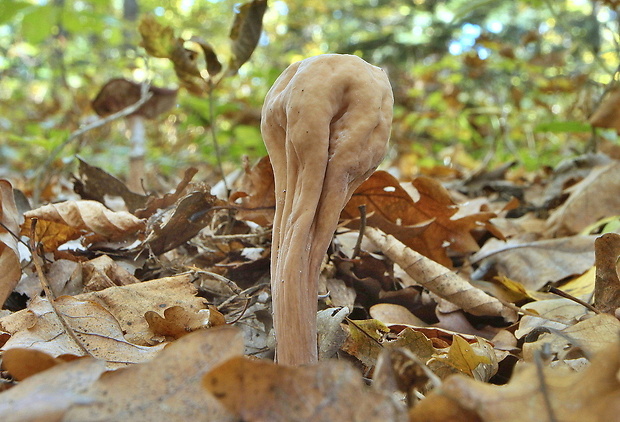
pixel 325 122
pixel 137 139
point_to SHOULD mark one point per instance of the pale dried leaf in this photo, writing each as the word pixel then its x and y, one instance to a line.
pixel 591 395
pixel 128 304
pixel 95 327
pixel 593 198
pixel 102 272
pixel 258 390
pixel 389 313
pixel 168 388
pixel 607 284
pixel 439 279
pixel 589 336
pixel 534 264
pixel 10 270
pixel 555 314
pixel 48 395
pixel 58 223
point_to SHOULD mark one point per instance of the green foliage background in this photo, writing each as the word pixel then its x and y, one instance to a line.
pixel 500 80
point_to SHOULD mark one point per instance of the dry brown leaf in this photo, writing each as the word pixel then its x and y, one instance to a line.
pixel 439 279
pixel 178 224
pixel 256 195
pixel 128 304
pixel 258 390
pixel 10 270
pixel 607 114
pixel 444 352
pixel 591 395
pixel 389 313
pixel 555 314
pixel 96 329
pixel 583 339
pixel 96 184
pixel 365 340
pixel 590 200
pixel 23 363
pixel 47 395
pixel 537 263
pixel 607 284
pixel 103 272
pixel 168 388
pixel 69 220
pixel 426 224
pixel 476 360
pixel 178 321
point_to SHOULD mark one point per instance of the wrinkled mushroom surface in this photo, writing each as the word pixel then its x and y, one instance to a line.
pixel 325 122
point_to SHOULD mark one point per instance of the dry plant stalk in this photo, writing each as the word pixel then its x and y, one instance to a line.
pixel 325 122
pixel 439 279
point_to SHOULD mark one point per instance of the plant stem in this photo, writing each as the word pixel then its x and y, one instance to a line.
pixel 216 145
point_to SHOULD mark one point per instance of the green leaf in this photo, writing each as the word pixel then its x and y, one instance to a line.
pixel 8 9
pixel 564 127
pixel 245 32
pixel 37 25
pixel 157 40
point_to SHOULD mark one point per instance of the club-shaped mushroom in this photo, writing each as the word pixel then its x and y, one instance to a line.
pixel 325 122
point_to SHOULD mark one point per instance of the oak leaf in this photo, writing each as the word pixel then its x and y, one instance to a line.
pixel 425 224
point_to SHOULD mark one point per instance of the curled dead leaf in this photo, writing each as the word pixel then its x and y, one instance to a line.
pixel 439 279
pixel 70 220
pixel 10 270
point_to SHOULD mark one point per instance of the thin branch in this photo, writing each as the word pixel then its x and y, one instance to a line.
pixel 51 297
pixel 358 244
pixel 559 292
pixel 216 145
pixel 543 386
pixel 81 131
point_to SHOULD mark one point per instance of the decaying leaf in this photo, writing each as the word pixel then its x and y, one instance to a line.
pixel 535 394
pixel 584 339
pixel 10 269
pixel 69 220
pixel 96 184
pixel 102 272
pixel 22 363
pixel 537 263
pixel 178 321
pixel 128 304
pixel 165 389
pixel 258 390
pixel 607 114
pixel 97 331
pixel 591 199
pixel 245 32
pixel 157 40
pixel 256 193
pixel 439 279
pixel 425 224
pixel 178 224
pixel 607 284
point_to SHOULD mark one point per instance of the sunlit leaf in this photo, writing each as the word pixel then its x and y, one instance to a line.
pixel 157 40
pixel 245 32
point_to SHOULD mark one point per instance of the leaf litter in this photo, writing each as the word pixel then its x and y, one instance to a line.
pixel 445 307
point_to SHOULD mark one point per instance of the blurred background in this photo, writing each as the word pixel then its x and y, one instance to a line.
pixel 477 83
